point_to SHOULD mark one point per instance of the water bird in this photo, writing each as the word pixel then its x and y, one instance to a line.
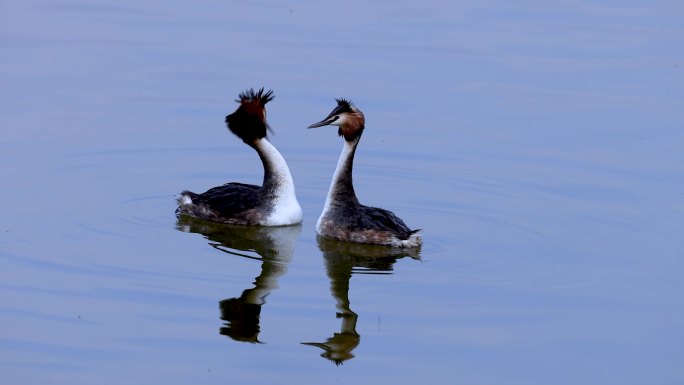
pixel 343 217
pixel 274 203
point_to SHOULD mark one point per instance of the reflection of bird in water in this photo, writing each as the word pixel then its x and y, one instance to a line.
pixel 274 202
pixel 343 259
pixel 274 247
pixel 343 217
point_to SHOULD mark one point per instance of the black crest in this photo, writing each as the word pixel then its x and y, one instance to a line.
pixel 251 96
pixel 343 105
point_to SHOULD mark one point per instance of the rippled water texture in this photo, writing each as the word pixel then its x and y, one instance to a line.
pixel 537 144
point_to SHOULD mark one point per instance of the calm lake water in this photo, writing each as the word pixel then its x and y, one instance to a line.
pixel 538 145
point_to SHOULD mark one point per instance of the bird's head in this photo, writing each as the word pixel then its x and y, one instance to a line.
pixel 347 117
pixel 248 122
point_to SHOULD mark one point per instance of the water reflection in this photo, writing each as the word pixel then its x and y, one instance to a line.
pixel 273 246
pixel 343 259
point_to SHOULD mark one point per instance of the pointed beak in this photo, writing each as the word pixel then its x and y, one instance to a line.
pixel 324 122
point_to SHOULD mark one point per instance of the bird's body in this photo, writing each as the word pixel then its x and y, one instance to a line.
pixel 274 203
pixel 343 217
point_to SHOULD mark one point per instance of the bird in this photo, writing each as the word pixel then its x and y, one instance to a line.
pixel 274 203
pixel 343 217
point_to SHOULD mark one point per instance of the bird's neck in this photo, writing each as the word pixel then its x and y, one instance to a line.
pixel 342 188
pixel 277 177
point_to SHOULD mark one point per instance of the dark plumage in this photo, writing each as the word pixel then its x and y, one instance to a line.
pixel 381 219
pixel 351 215
pixel 225 204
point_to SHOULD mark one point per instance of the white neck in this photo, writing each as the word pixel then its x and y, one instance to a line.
pixel 278 184
pixel 275 167
pixel 341 186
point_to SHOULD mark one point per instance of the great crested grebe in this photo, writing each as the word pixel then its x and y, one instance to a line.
pixel 272 204
pixel 343 217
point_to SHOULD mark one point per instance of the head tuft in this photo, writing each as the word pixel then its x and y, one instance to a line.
pixel 259 97
pixel 344 105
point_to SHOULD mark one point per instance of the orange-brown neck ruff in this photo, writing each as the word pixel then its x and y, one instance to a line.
pixel 352 128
